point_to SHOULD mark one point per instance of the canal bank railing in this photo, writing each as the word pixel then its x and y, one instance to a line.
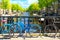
pixel 30 24
pixel 27 19
pixel 23 21
pixel 8 20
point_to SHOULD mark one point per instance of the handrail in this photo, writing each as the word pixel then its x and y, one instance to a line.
pixel 28 16
pixel 20 16
pixel 52 16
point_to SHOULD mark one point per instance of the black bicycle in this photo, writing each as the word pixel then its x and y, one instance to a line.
pixel 50 29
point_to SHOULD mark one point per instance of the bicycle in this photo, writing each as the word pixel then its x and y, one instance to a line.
pixel 13 28
pixel 50 28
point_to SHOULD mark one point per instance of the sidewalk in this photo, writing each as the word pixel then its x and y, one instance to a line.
pixel 31 38
pixel 39 38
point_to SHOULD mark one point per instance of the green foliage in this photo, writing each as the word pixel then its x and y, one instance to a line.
pixel 45 3
pixel 34 7
pixel 5 4
pixel 0 4
pixel 16 7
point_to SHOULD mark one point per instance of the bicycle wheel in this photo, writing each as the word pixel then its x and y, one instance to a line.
pixel 35 30
pixel 50 30
pixel 15 28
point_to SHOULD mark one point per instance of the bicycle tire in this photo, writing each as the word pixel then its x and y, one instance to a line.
pixel 17 29
pixel 53 27
pixel 38 28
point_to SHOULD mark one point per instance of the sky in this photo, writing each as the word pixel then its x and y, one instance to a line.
pixel 24 3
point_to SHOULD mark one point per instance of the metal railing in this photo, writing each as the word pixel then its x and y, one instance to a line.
pixel 25 23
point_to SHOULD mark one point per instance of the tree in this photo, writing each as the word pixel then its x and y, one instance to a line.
pixel 5 4
pixel 34 7
pixel 16 7
pixel 0 3
pixel 45 3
